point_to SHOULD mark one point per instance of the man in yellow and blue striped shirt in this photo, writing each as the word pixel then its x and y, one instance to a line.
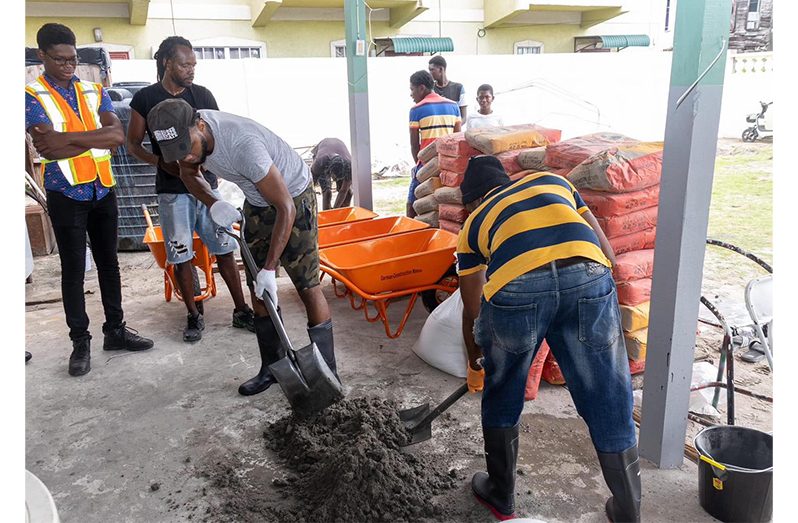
pixel 433 116
pixel 534 264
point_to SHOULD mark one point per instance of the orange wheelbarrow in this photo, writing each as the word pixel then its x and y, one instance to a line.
pixel 350 232
pixel 203 260
pixel 392 267
pixel 344 214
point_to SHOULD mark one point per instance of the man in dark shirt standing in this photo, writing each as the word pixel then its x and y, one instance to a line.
pixel 181 213
pixel 445 87
pixel 332 161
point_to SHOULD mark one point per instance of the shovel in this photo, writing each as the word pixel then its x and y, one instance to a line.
pixel 418 420
pixel 306 380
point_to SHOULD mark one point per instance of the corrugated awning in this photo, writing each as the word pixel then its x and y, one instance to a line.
pixel 605 43
pixel 625 41
pixel 413 44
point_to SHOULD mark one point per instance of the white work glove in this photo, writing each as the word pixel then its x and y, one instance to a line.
pixel 224 213
pixel 266 281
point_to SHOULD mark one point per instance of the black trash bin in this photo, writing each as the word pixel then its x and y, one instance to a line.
pixel 735 473
pixel 135 185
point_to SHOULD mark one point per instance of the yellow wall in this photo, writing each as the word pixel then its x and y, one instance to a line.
pixel 283 39
pixel 307 39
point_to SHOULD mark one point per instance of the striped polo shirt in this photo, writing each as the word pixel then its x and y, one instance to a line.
pixel 524 225
pixel 434 116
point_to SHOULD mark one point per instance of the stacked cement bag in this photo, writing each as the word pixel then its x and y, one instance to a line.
pixel 618 177
pixel 425 205
pixel 454 151
pixel 453 155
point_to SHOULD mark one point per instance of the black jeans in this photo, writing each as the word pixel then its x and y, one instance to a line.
pixel 71 220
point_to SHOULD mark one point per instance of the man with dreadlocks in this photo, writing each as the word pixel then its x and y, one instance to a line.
pixel 181 213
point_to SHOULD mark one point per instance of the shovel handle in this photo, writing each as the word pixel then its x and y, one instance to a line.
pixel 445 404
pixel 252 267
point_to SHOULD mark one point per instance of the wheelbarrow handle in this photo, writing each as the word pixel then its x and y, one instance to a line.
pixel 146 215
pixel 252 267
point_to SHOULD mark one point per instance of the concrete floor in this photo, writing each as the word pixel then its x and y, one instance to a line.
pixel 99 442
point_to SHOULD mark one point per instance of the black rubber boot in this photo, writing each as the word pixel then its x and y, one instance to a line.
pixel 496 488
pixel 271 350
pixel 622 474
pixel 322 336
pixel 80 359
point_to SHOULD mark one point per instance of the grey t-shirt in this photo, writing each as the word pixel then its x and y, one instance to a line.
pixel 244 151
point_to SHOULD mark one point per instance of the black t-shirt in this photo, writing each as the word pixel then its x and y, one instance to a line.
pixel 144 100
pixel 452 91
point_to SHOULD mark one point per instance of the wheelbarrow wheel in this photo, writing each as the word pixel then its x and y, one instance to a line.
pixel 434 297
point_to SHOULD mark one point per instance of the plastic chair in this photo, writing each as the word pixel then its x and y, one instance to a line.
pixel 759 302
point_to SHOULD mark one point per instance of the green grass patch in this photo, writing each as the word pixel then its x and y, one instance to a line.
pixel 390 195
pixel 741 212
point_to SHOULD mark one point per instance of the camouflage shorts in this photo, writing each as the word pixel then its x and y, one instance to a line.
pixel 300 259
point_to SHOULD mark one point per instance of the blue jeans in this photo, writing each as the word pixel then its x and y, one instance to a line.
pixel 411 197
pixel 575 309
pixel 181 215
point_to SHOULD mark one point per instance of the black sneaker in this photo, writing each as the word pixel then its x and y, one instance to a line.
pixel 244 319
pixel 125 338
pixel 194 327
pixel 28 356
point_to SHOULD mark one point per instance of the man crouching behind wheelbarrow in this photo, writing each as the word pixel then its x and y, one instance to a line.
pixel 279 212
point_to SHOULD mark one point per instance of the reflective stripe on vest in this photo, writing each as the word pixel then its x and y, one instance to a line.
pixel 85 167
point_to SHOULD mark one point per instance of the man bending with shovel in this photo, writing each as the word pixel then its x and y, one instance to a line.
pixel 534 264
pixel 279 212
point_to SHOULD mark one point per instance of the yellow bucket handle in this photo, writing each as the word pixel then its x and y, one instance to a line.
pixel 713 462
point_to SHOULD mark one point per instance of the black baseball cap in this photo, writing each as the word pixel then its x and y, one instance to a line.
pixel 169 122
pixel 483 174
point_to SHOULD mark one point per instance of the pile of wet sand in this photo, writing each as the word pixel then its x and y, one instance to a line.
pixel 350 467
pixel 343 464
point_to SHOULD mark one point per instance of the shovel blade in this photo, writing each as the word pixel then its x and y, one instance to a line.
pixel 325 387
pixel 309 385
pixel 294 387
pixel 413 420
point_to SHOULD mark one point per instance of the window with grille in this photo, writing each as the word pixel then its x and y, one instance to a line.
pixel 225 53
pixel 338 49
pixel 528 47
pixel 752 21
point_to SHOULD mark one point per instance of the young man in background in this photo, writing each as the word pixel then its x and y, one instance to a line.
pixel 445 87
pixel 433 116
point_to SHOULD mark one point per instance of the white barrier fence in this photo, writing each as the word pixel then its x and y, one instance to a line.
pixel 306 99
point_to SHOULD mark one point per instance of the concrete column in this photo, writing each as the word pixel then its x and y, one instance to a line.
pixel 691 132
pixel 357 74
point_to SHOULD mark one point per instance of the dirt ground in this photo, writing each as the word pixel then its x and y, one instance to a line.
pixel 163 436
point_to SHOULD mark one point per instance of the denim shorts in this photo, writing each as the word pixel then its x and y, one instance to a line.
pixel 182 215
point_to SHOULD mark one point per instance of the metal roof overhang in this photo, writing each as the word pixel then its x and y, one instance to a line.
pixel 610 41
pixel 415 44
